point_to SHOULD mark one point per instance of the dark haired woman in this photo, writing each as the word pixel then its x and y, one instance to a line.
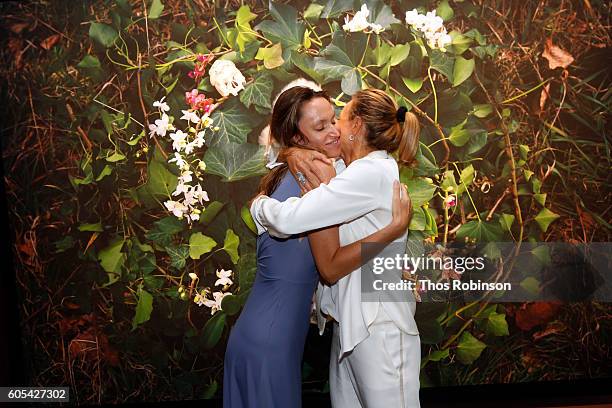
pixel 263 358
pixel 375 356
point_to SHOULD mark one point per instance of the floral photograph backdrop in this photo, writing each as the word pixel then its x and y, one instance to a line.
pixel 133 141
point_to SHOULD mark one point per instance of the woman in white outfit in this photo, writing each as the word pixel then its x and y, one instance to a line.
pixel 375 356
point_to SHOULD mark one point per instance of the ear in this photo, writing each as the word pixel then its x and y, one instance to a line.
pixel 299 139
pixel 357 125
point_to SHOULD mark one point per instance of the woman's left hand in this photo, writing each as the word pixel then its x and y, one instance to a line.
pixel 401 208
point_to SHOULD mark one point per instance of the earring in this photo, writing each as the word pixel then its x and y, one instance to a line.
pixel 351 138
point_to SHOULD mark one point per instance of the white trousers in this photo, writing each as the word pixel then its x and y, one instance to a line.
pixel 381 371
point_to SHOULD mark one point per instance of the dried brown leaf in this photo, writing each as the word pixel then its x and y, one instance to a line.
pixel 50 41
pixel 556 56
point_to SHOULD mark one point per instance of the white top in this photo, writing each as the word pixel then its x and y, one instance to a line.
pixel 360 199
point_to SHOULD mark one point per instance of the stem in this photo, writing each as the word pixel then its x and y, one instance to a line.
pixel 434 94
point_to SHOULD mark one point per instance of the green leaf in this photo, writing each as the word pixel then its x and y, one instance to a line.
pixel 143 308
pixel 420 190
pixel 466 178
pixel 230 245
pixel 89 61
pixel 230 304
pixel 115 157
pixel 286 28
pixel 271 56
pixel 103 34
pixel 313 11
pixel 334 8
pixel 462 70
pixel 258 92
pixel 448 182
pixel 234 161
pixel 106 171
pixel 380 13
pixel 211 211
pixel 445 11
pixel 213 329
pixel 97 227
pixel 442 63
pixel 234 122
pixel 531 285
pixel 413 84
pixel 245 214
pixel 459 42
pixel 430 331
pixel 418 222
pixel 482 110
pixel 540 198
pixel 178 256
pixel 245 33
pixel 200 244
pixel 506 221
pixel 481 231
pixel 545 217
pixel 459 136
pixel 497 325
pixel 156 9
pixel 111 258
pixel 164 230
pixel 469 348
pixel 523 151
pixel 340 59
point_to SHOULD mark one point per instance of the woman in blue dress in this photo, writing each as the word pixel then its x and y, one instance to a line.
pixel 264 352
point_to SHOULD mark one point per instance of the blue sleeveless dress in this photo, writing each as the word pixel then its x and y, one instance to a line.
pixel 262 367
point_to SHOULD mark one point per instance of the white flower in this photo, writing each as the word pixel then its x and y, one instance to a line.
pixel 161 126
pixel 215 304
pixel 412 16
pixel 431 26
pixel 224 278
pixel 191 116
pixel 180 189
pixel 226 78
pixel 179 140
pixel 199 139
pixel 163 106
pixel 376 28
pixel 194 216
pixel 189 147
pixel 179 161
pixel 200 194
pixel 206 121
pixel 359 21
pixel 177 208
pixel 193 276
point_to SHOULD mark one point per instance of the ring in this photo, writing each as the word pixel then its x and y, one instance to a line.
pixel 300 177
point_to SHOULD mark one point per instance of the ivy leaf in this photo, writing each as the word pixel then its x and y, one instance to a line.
pixel 381 14
pixel 286 28
pixel 442 63
pixel 506 221
pixel 230 304
pixel 419 189
pixel 178 256
pixel 89 61
pixel 271 56
pixel 103 34
pixel 445 11
pixel 143 308
pixel 97 227
pixel 466 177
pixel 245 214
pixel 164 230
pixel 462 70
pixel 545 217
pixel 234 161
pixel 340 59
pixel 200 244
pixel 481 231
pixel 213 329
pixel 497 324
pixel 469 348
pixel 234 123
pixel 244 32
pixel 258 92
pixel 230 245
pixel 156 9
pixel 334 8
pixel 413 84
pixel 112 259
pixel 313 11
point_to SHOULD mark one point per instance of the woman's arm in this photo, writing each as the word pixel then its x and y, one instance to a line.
pixel 351 194
pixel 335 262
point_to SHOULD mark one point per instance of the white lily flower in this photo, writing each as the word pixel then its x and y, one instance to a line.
pixel 226 78
pixel 215 304
pixel 359 21
pixel 163 106
pixel 179 161
pixel 179 140
pixel 190 116
pixel 177 208
pixel 224 278
pixel 160 126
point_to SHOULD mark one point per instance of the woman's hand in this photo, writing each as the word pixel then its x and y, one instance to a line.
pixel 308 162
pixel 401 209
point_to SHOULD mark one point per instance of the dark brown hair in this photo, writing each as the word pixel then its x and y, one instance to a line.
pixel 383 130
pixel 286 115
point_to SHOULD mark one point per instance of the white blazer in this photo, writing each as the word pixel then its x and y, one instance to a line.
pixel 360 199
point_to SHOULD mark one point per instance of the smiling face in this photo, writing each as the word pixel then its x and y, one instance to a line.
pixel 317 127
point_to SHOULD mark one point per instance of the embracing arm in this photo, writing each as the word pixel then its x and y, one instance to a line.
pixel 352 194
pixel 335 262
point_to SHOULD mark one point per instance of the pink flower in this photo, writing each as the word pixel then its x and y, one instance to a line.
pixel 200 66
pixel 450 201
pixel 198 101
